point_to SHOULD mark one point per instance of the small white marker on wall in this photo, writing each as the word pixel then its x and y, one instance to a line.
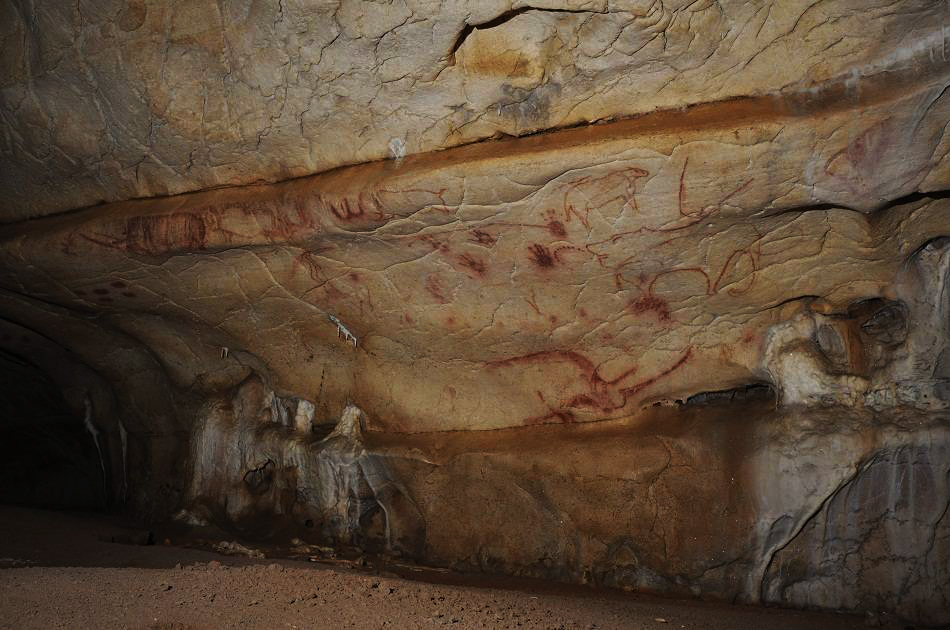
pixel 397 148
pixel 343 332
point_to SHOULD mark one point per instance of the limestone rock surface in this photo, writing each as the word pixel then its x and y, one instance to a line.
pixel 834 509
pixel 373 276
pixel 118 99
pixel 575 276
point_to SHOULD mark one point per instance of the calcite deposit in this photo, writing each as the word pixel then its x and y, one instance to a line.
pixel 650 295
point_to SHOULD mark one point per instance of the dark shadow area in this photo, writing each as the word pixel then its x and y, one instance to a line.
pixel 750 393
pixel 55 538
pixel 48 457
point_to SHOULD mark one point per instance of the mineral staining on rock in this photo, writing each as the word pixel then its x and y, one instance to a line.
pixel 832 508
pixel 679 351
pixel 133 99
pixel 572 279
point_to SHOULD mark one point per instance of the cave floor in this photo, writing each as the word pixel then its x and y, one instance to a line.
pixel 62 570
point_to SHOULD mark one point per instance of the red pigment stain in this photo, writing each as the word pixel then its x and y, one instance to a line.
pixel 307 260
pixel 355 277
pixel 408 318
pixel 333 294
pixel 541 256
pixel 153 235
pixel 450 321
pixel 118 284
pixel 553 319
pixel 582 312
pixel 276 224
pixel 599 400
pixel 857 149
pixel 651 303
pixel 600 390
pixel 365 206
pixel 639 387
pixel 603 395
pixel 435 244
pixel 556 228
pixel 556 415
pixel 434 287
pixel 472 263
pixel 482 238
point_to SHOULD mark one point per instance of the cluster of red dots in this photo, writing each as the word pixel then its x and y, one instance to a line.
pixel 104 295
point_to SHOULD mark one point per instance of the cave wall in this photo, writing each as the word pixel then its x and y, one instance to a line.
pixel 114 99
pixel 49 457
pixel 832 508
pixel 652 295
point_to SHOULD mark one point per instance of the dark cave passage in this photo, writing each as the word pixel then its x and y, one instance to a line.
pixel 48 456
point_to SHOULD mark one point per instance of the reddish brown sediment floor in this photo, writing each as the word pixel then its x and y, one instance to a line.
pixel 58 571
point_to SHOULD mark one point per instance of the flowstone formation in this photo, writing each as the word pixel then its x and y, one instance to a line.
pixel 641 295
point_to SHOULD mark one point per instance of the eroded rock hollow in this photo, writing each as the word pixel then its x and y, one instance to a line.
pixel 652 295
